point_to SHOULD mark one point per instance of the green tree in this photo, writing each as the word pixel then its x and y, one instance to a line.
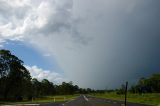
pixel 66 88
pixel 154 82
pixel 37 89
pixel 14 77
pixel 47 87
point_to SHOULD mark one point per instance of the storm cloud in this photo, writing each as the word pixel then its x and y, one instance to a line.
pixel 97 43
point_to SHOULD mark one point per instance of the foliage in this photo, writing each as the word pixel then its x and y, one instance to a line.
pixel 14 77
pixel 147 85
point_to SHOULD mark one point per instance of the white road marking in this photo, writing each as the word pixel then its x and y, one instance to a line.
pixel 28 105
pixel 22 105
pixel 122 104
pixel 114 102
pixel 7 105
pixel 68 101
pixel 85 98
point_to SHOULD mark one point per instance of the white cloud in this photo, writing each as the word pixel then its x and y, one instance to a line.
pixel 41 74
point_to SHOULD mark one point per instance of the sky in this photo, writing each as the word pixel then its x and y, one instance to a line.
pixel 99 44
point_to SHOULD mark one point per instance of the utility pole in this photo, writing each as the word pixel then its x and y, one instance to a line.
pixel 126 94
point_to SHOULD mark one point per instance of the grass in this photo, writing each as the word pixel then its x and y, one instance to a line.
pixel 149 98
pixel 45 99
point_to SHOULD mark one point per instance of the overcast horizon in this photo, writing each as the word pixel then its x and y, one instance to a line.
pixel 94 43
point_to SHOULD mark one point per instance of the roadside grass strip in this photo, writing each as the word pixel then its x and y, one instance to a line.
pixel 38 101
pixel 147 98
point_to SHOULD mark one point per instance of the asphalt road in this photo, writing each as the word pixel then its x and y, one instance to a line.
pixel 90 101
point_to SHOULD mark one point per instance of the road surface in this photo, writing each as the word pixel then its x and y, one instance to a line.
pixel 91 101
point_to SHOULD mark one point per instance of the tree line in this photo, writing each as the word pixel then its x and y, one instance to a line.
pixel 17 84
pixel 147 85
pixel 143 85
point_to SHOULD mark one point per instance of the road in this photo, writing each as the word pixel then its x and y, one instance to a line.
pixel 91 101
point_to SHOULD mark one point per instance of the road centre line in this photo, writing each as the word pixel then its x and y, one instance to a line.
pixel 85 98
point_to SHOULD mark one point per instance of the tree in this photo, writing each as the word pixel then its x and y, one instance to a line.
pixel 76 88
pixel 37 89
pixel 14 77
pixel 147 85
pixel 121 90
pixel 47 87
pixel 66 88
pixel 154 82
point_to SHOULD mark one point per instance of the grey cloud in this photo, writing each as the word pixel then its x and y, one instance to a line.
pixel 126 42
pixel 61 20
pixel 8 12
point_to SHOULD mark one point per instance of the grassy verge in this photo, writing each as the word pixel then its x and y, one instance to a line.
pixel 149 98
pixel 45 99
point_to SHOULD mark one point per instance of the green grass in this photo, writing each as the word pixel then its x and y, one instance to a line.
pixel 45 99
pixel 149 98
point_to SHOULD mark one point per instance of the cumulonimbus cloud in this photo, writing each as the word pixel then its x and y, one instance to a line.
pixel 98 44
